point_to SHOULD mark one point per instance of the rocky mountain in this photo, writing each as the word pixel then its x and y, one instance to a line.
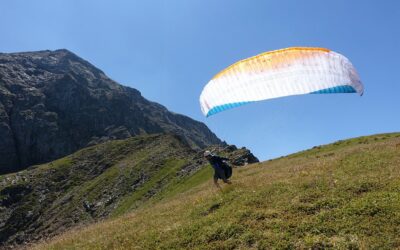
pixel 53 103
pixel 100 181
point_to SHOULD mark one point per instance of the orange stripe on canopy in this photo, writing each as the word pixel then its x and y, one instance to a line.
pixel 272 58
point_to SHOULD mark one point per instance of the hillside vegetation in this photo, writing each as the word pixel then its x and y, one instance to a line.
pixel 344 195
pixel 101 181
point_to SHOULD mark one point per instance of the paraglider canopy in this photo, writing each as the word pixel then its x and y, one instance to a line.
pixel 280 73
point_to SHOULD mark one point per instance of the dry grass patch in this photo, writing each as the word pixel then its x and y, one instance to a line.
pixel 343 196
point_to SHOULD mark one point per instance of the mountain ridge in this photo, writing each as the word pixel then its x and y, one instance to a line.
pixel 53 103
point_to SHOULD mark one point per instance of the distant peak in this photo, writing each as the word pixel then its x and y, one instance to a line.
pixel 62 50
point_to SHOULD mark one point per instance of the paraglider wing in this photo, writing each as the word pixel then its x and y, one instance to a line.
pixel 279 73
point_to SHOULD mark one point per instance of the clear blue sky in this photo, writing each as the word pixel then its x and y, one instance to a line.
pixel 170 49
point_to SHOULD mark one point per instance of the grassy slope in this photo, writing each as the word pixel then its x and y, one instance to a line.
pixel 112 178
pixel 342 195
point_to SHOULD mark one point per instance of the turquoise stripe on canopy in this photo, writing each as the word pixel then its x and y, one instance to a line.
pixel 223 107
pixel 333 90
pixel 337 89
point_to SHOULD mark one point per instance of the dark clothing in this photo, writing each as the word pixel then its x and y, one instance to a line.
pixel 225 174
pixel 222 170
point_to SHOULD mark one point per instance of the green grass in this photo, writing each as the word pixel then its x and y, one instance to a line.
pixel 345 195
pixel 167 171
pixel 104 180
pixel 187 184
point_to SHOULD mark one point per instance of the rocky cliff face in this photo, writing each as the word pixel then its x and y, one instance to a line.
pixel 53 103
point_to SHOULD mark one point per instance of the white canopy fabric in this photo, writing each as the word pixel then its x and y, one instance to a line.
pixel 279 73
